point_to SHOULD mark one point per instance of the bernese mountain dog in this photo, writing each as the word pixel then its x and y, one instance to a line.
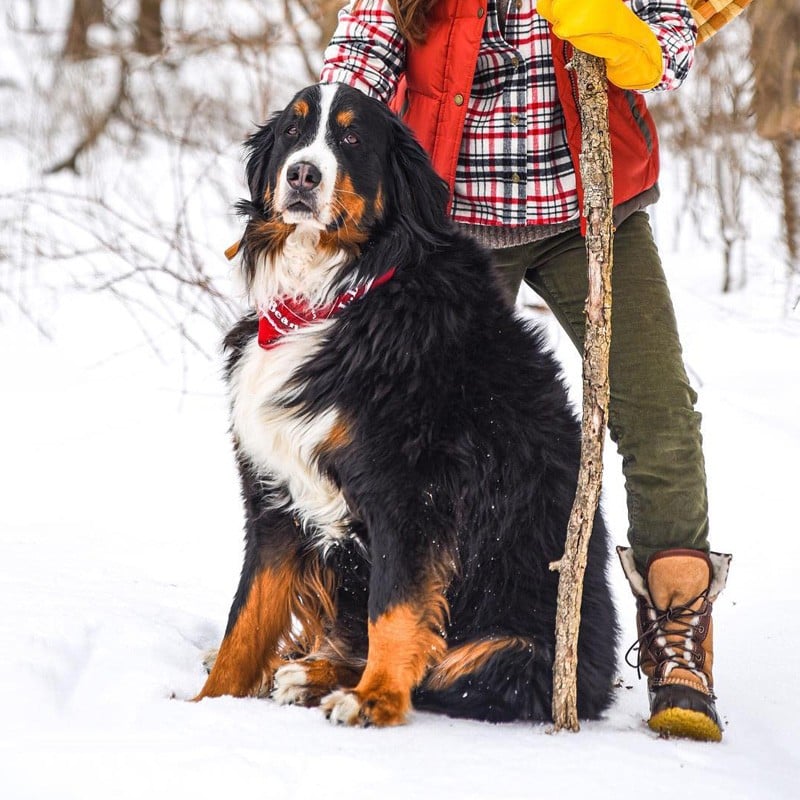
pixel 408 457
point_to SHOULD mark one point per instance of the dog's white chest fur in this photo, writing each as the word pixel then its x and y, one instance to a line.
pixel 279 443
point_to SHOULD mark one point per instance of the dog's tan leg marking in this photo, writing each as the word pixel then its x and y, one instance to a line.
pixel 403 643
pixel 251 645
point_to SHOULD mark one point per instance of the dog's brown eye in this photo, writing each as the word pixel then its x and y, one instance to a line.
pixel 351 139
pixel 292 130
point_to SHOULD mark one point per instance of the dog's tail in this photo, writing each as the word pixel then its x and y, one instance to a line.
pixel 507 678
pixel 496 678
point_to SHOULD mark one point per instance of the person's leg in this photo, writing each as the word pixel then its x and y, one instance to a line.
pixel 657 431
pixel 651 406
pixel 511 264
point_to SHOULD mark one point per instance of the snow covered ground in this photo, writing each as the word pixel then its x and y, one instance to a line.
pixel 120 547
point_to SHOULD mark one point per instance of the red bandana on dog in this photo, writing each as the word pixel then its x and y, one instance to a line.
pixel 285 314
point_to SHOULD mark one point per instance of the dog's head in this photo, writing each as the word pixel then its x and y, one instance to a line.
pixel 337 167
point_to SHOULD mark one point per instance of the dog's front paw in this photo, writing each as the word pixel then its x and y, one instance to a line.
pixel 350 708
pixel 290 687
pixel 343 708
pixel 306 681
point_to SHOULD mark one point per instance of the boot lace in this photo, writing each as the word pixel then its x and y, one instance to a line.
pixel 682 626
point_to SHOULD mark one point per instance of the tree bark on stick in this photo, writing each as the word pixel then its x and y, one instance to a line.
pixel 596 175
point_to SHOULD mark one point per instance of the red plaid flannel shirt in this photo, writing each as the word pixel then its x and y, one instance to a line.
pixel 514 167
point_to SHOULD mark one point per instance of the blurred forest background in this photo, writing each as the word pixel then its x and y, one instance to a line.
pixel 123 122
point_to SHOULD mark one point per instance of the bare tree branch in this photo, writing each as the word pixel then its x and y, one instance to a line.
pixel 97 127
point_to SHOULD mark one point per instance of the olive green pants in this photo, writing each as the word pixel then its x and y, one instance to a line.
pixel 651 410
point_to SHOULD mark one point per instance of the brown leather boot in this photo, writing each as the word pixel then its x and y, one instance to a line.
pixel 675 644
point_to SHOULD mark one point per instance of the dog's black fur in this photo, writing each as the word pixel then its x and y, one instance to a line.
pixel 457 460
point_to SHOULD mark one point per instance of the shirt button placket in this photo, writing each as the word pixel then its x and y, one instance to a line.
pixel 518 193
pixel 517 188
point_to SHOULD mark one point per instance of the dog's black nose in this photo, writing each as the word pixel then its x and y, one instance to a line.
pixel 303 176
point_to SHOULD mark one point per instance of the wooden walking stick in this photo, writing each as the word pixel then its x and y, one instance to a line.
pixel 595 164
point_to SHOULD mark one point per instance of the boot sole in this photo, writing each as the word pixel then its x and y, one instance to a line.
pixel 685 723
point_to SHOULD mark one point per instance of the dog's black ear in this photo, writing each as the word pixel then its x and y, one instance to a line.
pixel 418 195
pixel 259 148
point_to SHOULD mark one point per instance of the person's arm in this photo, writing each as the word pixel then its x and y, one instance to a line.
pixel 646 44
pixel 367 51
pixel 676 31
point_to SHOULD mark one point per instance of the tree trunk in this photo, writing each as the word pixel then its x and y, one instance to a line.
pixel 775 57
pixel 84 14
pixel 149 36
pixel 788 150
pixel 328 19
pixel 596 175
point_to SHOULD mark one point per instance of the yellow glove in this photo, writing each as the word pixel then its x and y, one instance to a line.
pixel 609 29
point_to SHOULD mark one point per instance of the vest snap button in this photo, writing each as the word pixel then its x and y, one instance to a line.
pixel 459 99
pixel 480 13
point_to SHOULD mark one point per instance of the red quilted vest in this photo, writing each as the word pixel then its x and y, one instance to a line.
pixel 432 100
